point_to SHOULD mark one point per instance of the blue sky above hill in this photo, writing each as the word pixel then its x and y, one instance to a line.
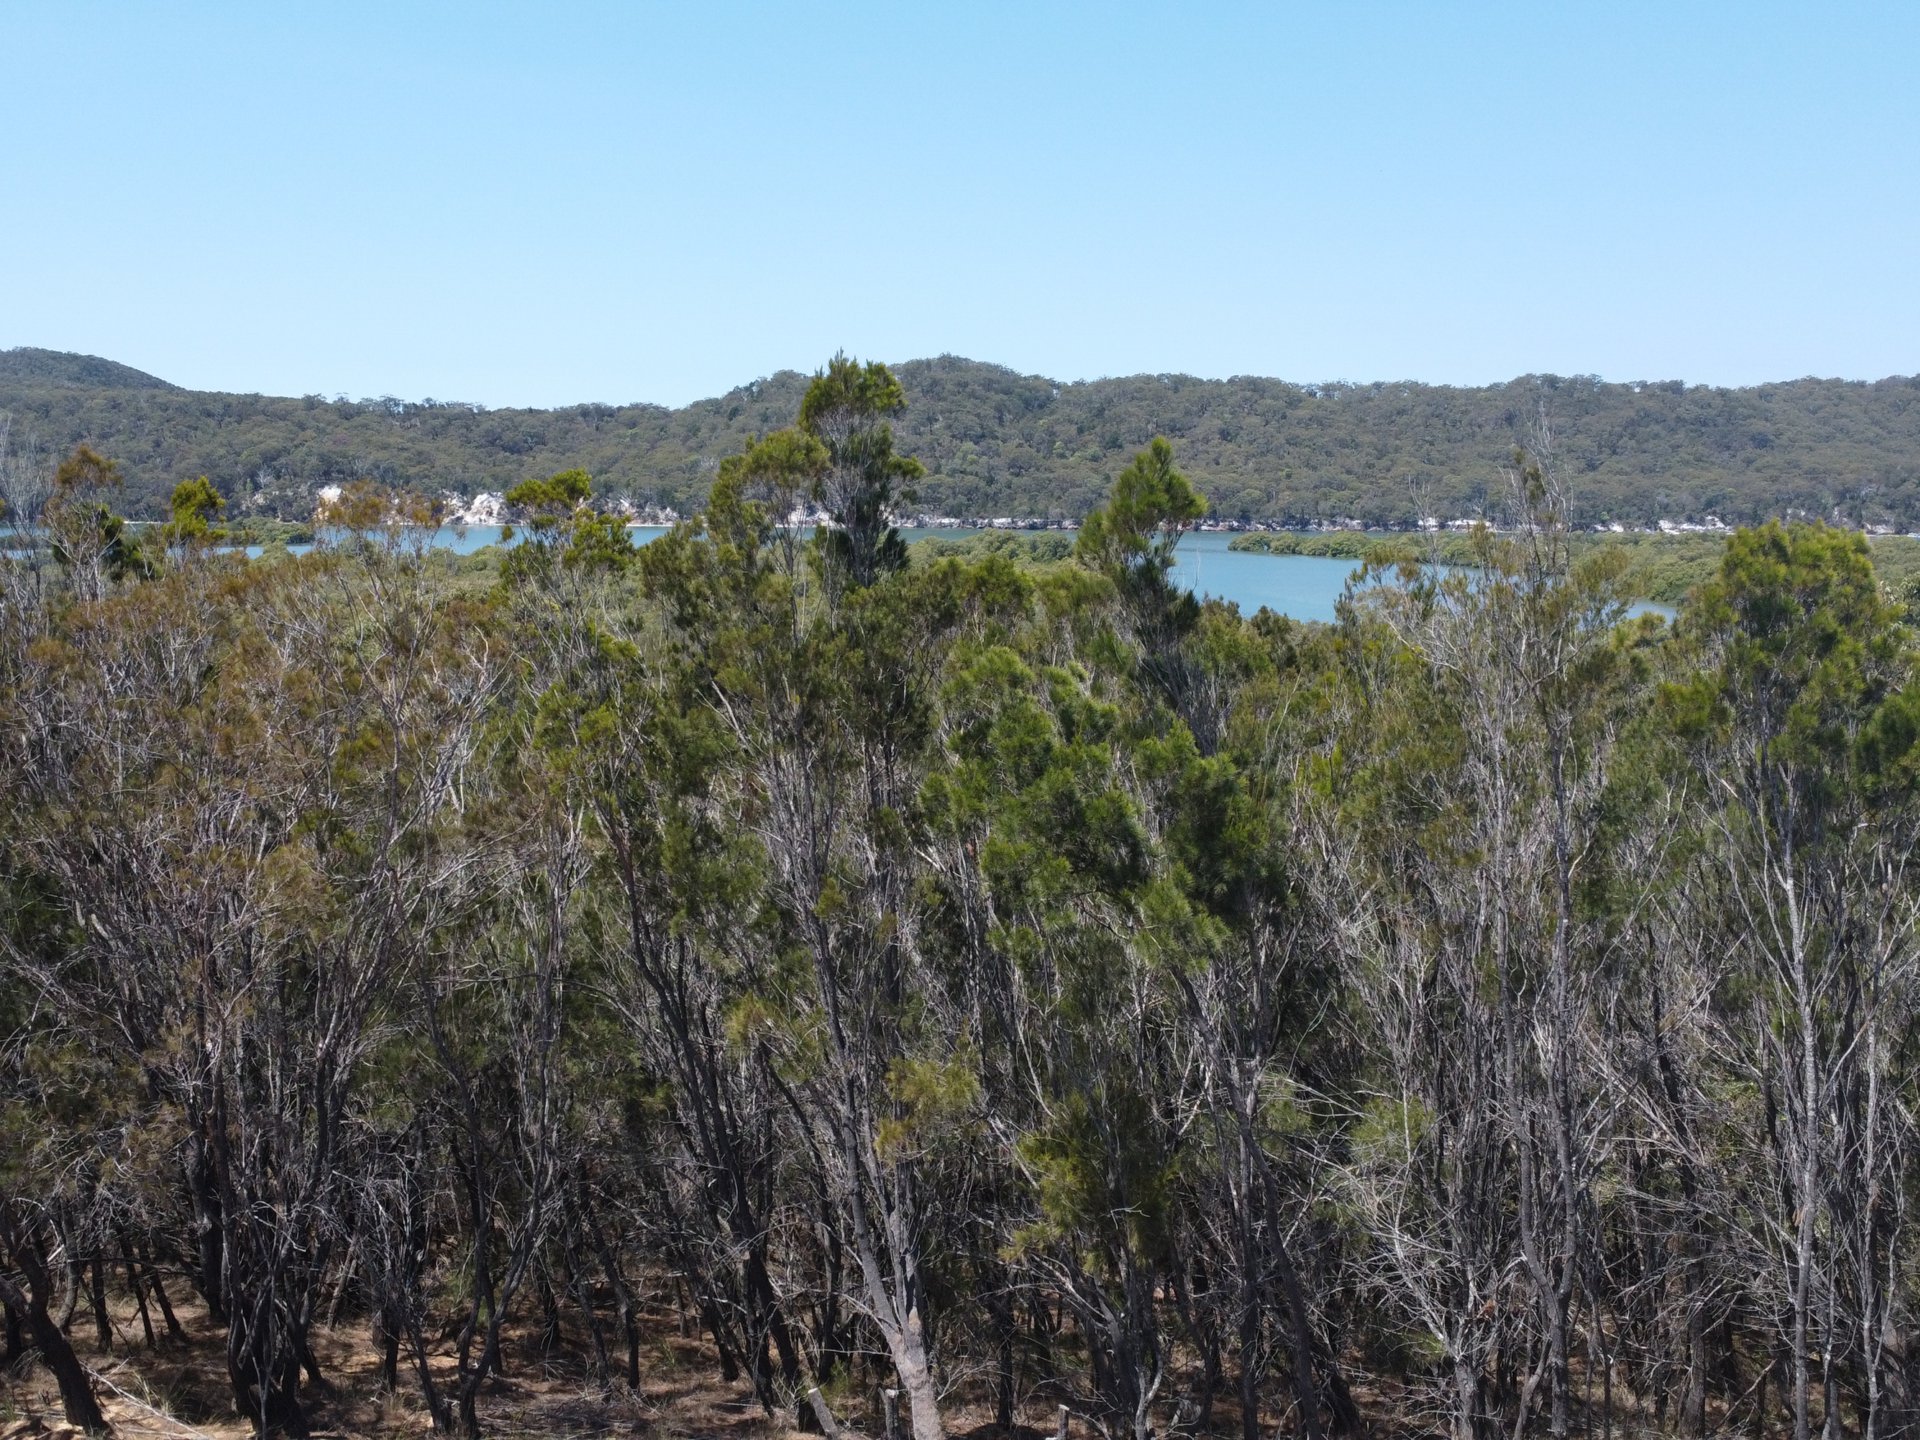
pixel 538 205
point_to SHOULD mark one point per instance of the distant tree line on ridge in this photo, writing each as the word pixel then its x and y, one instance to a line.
pixel 996 443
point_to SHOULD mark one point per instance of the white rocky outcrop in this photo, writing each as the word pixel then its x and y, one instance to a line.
pixel 486 508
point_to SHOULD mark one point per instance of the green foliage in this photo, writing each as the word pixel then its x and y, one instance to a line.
pixel 566 531
pixel 847 396
pixel 1807 640
pixel 1101 1178
pixel 1389 1131
pixel 264 531
pixel 1003 949
pixel 554 499
pixel 191 513
pixel 1151 506
pixel 996 443
pixel 87 532
pixel 781 470
pixel 1022 547
pixel 861 481
pixel 934 1100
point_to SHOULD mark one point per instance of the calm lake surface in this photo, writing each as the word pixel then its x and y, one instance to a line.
pixel 1302 587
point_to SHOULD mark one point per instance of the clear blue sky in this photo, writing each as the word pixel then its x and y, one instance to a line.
pixel 539 204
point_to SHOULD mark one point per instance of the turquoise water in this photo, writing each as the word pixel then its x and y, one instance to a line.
pixel 1302 587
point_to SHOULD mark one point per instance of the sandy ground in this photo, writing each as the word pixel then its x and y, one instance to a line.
pixel 177 1390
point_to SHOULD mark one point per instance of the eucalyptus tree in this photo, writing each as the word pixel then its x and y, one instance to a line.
pixel 1488 1134
pixel 1251 979
pixel 193 513
pixel 1427 1177
pixel 41 1102
pixel 823 703
pixel 245 785
pixel 494 1010
pixel 25 1250
pixel 1131 539
pixel 845 410
pixel 1803 721
pixel 1084 1108
pixel 1264 995
pixel 630 736
pixel 733 589
pixel 1557 642
pixel 90 541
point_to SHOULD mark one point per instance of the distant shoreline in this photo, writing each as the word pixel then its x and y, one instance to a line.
pixel 1005 450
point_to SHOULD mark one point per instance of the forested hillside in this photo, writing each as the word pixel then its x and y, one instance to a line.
pixel 1000 444
pixel 753 971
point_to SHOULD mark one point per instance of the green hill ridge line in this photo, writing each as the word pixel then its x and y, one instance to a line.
pixel 998 444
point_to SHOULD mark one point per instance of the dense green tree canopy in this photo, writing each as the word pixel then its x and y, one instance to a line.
pixel 885 996
pixel 996 443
